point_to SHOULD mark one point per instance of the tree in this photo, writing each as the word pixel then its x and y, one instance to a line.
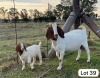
pixel 38 16
pixel 50 16
pixel 49 13
pixel 66 11
pixel 31 14
pixel 66 2
pixel 88 6
pixel 24 15
pixel 3 12
pixel 36 13
pixel 13 14
pixel 59 8
pixel 62 12
pixel 56 12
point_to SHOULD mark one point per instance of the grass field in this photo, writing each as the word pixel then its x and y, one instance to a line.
pixel 29 33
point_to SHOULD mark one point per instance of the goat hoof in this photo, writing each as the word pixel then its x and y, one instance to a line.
pixel 59 68
pixel 77 59
pixel 88 61
pixel 40 64
pixel 32 68
pixel 22 69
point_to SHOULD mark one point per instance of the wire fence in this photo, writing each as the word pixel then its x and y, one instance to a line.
pixel 27 33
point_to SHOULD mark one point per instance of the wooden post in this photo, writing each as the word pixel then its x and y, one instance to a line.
pixel 74 17
pixel 47 46
pixel 76 9
pixel 89 35
pixel 15 28
pixel 69 22
pixel 89 22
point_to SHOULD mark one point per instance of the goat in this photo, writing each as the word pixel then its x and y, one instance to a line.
pixel 70 41
pixel 29 54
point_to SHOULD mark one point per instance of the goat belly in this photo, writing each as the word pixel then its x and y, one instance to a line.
pixel 72 49
pixel 74 40
pixel 73 46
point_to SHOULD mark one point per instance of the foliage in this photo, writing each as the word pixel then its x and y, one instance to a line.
pixel 88 6
pixel 24 15
pixel 61 11
pixel 3 11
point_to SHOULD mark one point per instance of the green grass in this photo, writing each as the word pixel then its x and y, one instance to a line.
pixel 29 33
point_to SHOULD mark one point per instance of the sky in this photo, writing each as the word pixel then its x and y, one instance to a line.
pixel 98 8
pixel 41 5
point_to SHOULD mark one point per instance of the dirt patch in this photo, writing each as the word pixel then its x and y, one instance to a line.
pixel 7 66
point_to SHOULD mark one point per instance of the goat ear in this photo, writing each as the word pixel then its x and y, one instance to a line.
pixel 25 47
pixel 60 32
pixel 48 33
pixel 18 48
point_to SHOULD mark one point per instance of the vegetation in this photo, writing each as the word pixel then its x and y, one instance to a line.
pixel 61 11
pixel 88 6
pixel 29 33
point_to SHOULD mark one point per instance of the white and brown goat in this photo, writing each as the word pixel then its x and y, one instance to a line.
pixel 29 54
pixel 70 41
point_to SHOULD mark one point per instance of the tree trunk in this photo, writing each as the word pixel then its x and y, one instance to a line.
pixel 69 22
pixel 89 22
pixel 76 9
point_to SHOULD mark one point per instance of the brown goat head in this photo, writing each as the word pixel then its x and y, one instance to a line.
pixel 19 48
pixel 50 33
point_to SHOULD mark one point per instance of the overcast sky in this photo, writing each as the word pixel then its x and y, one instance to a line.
pixel 41 5
pixel 35 1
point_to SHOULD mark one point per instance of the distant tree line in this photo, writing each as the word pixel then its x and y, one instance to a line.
pixel 60 12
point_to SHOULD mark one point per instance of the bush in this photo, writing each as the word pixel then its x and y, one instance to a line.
pixel 45 19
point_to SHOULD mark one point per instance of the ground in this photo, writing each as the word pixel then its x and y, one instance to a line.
pixel 30 33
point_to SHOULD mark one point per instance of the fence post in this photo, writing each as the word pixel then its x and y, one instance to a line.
pixel 15 27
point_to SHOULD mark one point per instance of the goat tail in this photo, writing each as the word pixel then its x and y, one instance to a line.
pixel 82 28
pixel 40 43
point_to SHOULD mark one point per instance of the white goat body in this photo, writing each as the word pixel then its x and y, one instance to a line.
pixel 30 54
pixel 72 41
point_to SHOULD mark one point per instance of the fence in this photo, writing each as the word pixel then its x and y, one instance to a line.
pixel 28 33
